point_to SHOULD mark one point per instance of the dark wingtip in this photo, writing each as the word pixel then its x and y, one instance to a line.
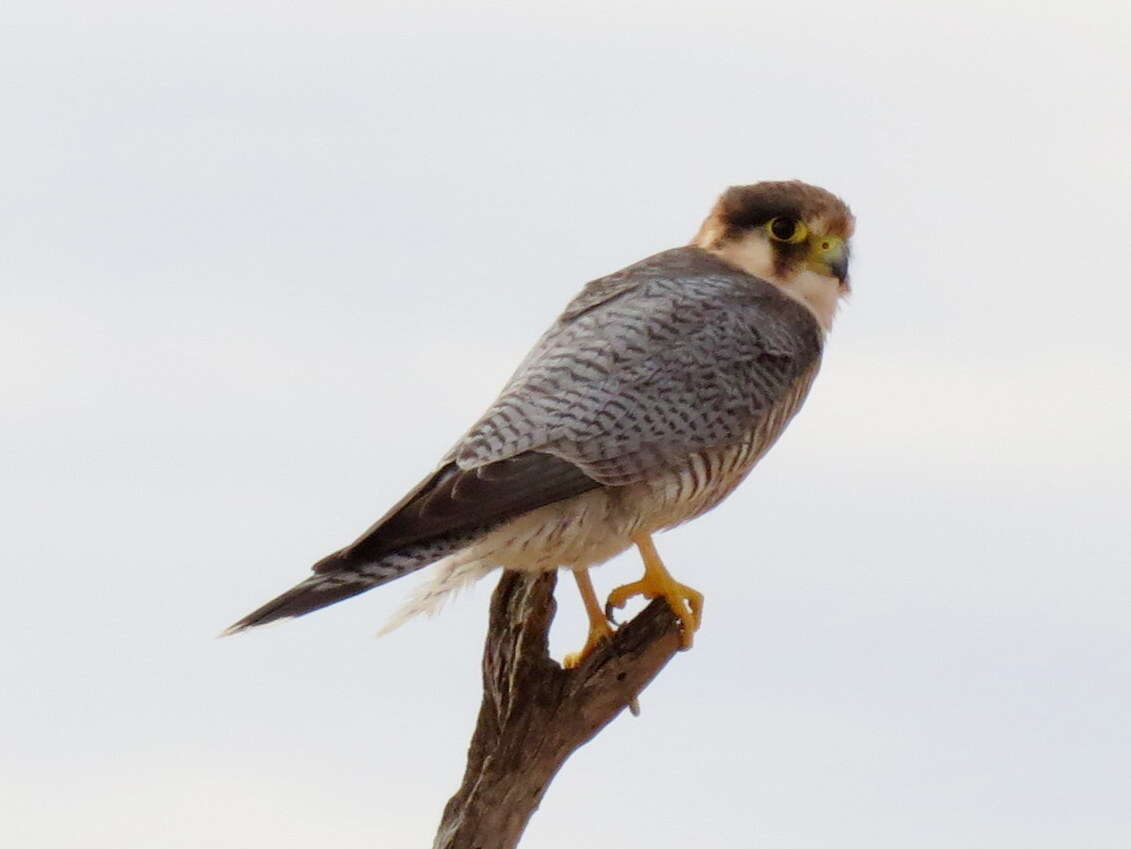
pixel 312 594
pixel 332 562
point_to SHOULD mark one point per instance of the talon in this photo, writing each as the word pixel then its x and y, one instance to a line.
pixel 599 629
pixel 596 636
pixel 686 603
pixel 620 596
pixel 609 617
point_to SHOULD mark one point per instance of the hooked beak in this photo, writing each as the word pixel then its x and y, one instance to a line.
pixel 828 255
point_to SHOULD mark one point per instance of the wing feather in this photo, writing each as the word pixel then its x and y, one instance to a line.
pixel 454 501
pixel 676 354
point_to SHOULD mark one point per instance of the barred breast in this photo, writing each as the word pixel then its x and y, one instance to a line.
pixel 710 475
pixel 664 384
pixel 593 527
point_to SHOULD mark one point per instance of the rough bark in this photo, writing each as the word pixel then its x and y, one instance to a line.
pixel 535 714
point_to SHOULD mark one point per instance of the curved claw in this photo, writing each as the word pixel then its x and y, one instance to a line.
pixel 685 602
pixel 610 617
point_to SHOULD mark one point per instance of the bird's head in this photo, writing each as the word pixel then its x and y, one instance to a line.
pixel 789 233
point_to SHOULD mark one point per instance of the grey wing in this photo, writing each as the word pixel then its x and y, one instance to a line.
pixel 444 513
pixel 676 354
pixel 453 501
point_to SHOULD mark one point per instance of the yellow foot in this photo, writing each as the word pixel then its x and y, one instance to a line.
pixel 597 635
pixel 599 629
pixel 686 603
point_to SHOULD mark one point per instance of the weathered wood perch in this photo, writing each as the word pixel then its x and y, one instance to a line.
pixel 535 714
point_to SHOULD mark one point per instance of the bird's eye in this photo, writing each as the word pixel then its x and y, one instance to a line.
pixel 786 229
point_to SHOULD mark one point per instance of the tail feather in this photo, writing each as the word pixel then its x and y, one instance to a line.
pixel 339 577
pixel 448 511
pixel 315 592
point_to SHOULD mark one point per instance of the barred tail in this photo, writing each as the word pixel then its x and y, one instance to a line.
pixel 339 577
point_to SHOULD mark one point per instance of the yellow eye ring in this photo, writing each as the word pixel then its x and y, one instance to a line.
pixel 786 229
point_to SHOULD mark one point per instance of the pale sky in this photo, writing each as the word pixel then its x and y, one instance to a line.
pixel 262 263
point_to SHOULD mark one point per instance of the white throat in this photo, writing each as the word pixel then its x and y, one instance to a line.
pixel 819 293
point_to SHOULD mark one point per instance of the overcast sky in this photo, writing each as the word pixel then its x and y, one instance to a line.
pixel 262 263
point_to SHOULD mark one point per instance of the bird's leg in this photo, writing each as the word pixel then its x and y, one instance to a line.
pixel 598 627
pixel 686 603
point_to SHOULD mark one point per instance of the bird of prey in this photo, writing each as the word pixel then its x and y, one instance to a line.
pixel 644 405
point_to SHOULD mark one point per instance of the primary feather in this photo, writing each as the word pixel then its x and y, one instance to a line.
pixel 645 403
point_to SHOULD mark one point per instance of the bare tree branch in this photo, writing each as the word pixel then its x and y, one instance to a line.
pixel 535 714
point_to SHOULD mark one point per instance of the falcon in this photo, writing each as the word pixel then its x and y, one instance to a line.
pixel 644 405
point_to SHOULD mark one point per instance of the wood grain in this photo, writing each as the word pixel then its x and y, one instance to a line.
pixel 535 714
